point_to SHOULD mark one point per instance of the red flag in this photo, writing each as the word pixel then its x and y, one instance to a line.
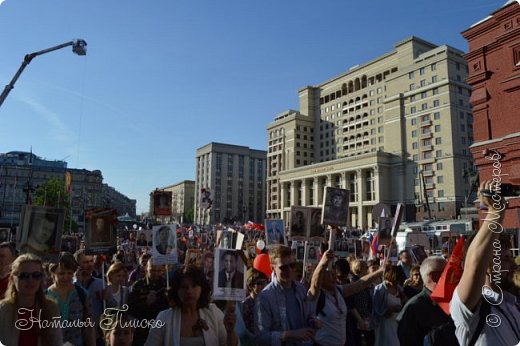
pixel 450 278
pixel 375 245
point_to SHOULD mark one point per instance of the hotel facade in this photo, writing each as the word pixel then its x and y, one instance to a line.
pixel 394 129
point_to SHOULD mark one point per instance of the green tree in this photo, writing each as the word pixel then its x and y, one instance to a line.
pixel 188 215
pixel 52 193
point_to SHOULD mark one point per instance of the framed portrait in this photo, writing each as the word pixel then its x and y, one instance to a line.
pixel 341 247
pixel 4 234
pixel 300 252
pixel 144 238
pixel 274 232
pixel 162 203
pixel 384 230
pixel 312 253
pixel 251 251
pixel 205 198
pixel 229 280
pixel 335 206
pixel 164 244
pixel 41 231
pixel 193 256
pixel 298 222
pixel 100 237
pixel 69 243
pixel 315 229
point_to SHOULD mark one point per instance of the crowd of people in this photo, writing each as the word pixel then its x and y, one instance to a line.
pixel 130 300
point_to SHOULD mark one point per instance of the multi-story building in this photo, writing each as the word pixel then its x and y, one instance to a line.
pixel 494 74
pixel 394 129
pixel 236 177
pixel 118 201
pixel 22 172
pixel 183 200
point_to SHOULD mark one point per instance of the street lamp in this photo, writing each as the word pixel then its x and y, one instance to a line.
pixel 79 47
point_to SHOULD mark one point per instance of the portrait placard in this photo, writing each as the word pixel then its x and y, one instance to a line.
pixel 274 232
pixel 315 229
pixel 229 281
pixel 164 245
pixel 298 222
pixel 100 237
pixel 384 230
pixel 193 256
pixel 144 238
pixel 335 206
pixel 69 243
pixel 205 198
pixel 162 203
pixel 41 231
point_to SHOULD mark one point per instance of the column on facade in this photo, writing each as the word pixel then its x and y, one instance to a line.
pixel 294 188
pixel 318 191
pixel 377 191
pixel 282 197
pixel 361 195
pixel 305 192
pixel 329 180
pixel 344 180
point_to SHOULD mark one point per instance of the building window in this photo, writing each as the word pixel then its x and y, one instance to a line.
pixel 410 75
pixel 412 110
pixel 414 133
pixel 438 140
pixel 435 91
pixel 434 79
pixel 414 121
pixel 438 153
pixel 422 70
pixel 440 179
pixel 434 66
pixel 424 94
pixel 414 145
pixel 412 86
pixel 423 82
pixel 415 157
pixel 437 128
pixel 424 106
pixel 437 115
pixel 412 98
pixel 440 193
pixel 439 166
pixel 435 103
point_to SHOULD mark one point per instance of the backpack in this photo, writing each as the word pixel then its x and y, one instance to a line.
pixel 445 333
pixel 321 301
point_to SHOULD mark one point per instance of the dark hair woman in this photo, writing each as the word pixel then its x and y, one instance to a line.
pixel 192 319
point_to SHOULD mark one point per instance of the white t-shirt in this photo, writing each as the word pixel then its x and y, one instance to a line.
pixel 332 332
pixel 502 326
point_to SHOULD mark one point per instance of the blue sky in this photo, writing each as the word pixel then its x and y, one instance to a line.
pixel 162 78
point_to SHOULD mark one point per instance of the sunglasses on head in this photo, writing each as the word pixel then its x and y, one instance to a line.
pixel 26 275
pixel 287 266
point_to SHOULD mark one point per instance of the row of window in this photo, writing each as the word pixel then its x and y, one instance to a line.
pixel 422 71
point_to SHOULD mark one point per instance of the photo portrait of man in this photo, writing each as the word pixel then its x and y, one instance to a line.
pixel 312 256
pixel 298 221
pixel 300 253
pixel 141 239
pixel 385 228
pixel 316 228
pixel 100 229
pixel 230 276
pixel 43 230
pixel 275 232
pixel 335 208
pixel 162 241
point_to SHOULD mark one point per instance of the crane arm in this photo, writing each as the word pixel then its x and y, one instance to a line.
pixel 78 47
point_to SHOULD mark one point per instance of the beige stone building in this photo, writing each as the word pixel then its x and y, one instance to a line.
pixel 394 129
pixel 236 177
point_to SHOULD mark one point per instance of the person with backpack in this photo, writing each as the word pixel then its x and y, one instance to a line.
pixel 331 308
pixel 421 317
pixel 73 302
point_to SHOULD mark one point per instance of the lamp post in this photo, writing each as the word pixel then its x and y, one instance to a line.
pixel 78 47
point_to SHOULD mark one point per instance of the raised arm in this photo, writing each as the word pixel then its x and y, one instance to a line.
pixel 316 278
pixel 362 283
pixel 480 251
